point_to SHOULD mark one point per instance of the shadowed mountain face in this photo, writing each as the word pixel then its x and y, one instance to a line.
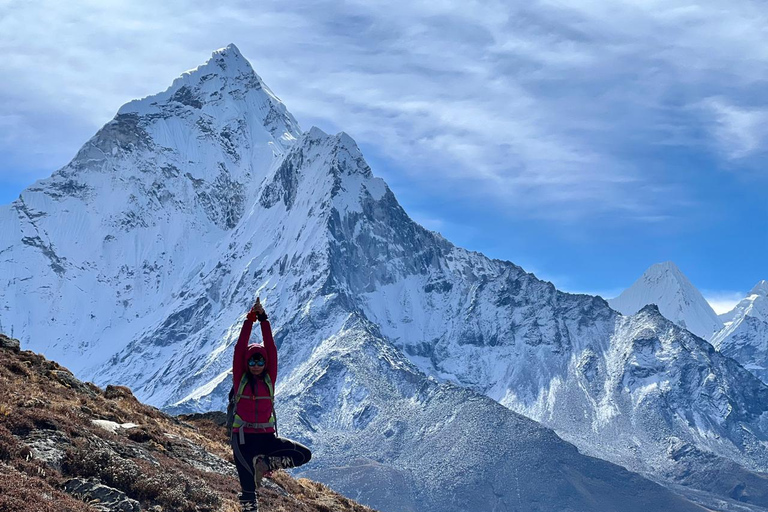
pixel 135 264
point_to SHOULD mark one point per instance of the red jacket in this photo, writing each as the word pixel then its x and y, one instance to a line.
pixel 254 411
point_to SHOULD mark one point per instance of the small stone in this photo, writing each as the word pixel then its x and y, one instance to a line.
pixel 113 426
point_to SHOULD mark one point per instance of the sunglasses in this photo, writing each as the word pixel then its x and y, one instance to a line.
pixel 256 362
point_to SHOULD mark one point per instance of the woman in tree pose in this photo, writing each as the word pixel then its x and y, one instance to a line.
pixel 257 449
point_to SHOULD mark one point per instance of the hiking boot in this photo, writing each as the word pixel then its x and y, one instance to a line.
pixel 260 467
pixel 249 506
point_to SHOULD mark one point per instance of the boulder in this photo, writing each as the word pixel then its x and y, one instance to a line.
pixel 100 496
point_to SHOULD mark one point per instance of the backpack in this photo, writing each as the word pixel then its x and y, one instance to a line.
pixel 234 398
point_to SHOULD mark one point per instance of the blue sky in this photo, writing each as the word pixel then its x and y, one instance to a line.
pixel 582 140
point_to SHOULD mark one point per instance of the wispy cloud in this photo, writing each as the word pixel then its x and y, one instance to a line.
pixel 740 132
pixel 548 108
pixel 723 301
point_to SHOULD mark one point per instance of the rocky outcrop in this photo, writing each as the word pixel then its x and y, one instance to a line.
pixel 9 343
pixel 100 496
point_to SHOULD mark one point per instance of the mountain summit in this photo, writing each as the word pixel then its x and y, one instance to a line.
pixel 225 86
pixel 678 299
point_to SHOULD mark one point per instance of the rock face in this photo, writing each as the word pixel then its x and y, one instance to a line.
pixel 9 343
pixel 146 251
pixel 745 334
pixel 657 392
pixel 105 498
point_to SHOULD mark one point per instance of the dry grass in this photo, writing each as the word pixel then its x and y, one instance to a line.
pixel 149 463
pixel 20 492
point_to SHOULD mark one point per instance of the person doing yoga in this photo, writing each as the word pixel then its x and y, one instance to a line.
pixel 256 447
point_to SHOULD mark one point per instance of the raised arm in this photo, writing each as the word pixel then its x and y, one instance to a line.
pixel 269 342
pixel 241 348
pixel 269 345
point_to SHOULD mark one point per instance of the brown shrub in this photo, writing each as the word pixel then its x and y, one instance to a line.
pixel 113 392
pixel 10 448
pixel 17 423
pixel 18 368
pixel 22 493
pixel 141 480
pixel 214 436
pixel 142 435
pixel 43 419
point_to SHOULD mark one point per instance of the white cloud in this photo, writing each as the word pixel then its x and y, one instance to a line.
pixel 723 301
pixel 540 107
pixel 741 132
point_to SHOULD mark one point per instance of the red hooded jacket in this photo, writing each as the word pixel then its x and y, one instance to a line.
pixel 255 411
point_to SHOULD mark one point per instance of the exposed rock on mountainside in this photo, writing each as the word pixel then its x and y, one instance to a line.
pixel 374 419
pixel 62 449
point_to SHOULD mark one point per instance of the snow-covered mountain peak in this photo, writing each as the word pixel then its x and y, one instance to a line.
pixel 230 59
pixel 745 334
pixel 219 91
pixel 666 271
pixel 755 305
pixel 321 167
pixel 677 299
pixel 760 288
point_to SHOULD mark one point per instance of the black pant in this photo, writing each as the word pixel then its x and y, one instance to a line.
pixel 280 453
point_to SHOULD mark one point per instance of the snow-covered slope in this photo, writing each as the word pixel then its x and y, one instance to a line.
pixel 137 261
pixel 656 390
pixel 102 250
pixel 745 334
pixel 400 441
pixel 665 285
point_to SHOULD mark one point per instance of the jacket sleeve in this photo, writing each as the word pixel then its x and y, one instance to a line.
pixel 269 345
pixel 241 348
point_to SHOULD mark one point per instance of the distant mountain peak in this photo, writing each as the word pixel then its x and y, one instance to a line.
pixel 677 299
pixel 760 288
pixel 745 335
pixel 666 270
pixel 650 309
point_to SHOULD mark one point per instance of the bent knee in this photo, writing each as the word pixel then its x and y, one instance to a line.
pixel 306 453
